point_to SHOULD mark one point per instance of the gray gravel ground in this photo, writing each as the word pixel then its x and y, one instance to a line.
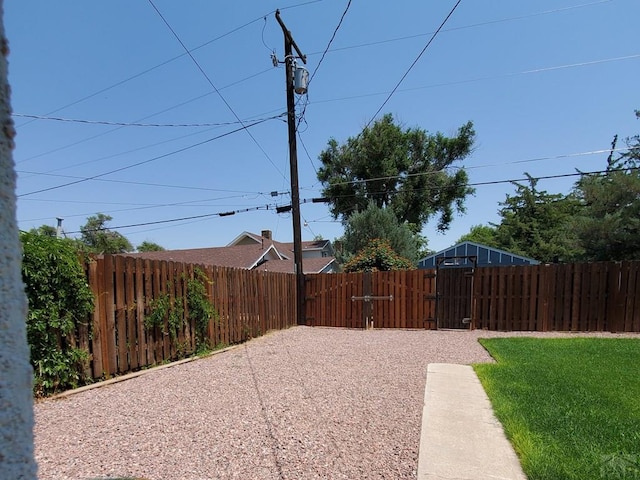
pixel 304 403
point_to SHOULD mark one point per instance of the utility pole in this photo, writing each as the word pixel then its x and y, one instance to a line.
pixel 289 63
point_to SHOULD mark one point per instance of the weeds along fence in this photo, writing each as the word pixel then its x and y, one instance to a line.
pixel 127 290
pixel 580 297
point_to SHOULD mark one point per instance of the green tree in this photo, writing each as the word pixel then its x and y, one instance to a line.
pixel 536 224
pixel 484 234
pixel 378 256
pixel 59 298
pixel 609 224
pixel 150 247
pixel 634 145
pixel 378 223
pixel 47 230
pixel 405 170
pixel 99 239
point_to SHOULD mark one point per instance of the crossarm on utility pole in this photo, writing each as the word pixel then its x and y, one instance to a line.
pixel 288 37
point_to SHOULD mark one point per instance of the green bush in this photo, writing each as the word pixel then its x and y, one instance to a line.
pixel 377 256
pixel 199 308
pixel 59 299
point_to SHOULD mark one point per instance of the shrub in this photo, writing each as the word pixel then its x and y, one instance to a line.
pixel 59 298
pixel 199 308
pixel 377 256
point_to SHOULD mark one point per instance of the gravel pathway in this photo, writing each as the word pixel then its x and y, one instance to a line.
pixel 304 403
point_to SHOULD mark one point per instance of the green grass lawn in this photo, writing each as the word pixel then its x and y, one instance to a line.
pixel 570 406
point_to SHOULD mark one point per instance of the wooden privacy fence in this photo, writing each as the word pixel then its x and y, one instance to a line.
pixel 248 304
pixel 401 299
pixel 571 297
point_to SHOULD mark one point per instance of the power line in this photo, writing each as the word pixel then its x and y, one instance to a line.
pixel 148 70
pixel 333 36
pixel 224 100
pixel 457 82
pixel 144 184
pixel 463 27
pixel 125 124
pixel 93 137
pixel 435 34
pixel 304 147
pixel 145 147
pixel 180 150
pixel 146 206
pixel 193 217
pixel 315 70
pixel 478 79
pixel 552 157
pixel 434 172
pixel 548 177
pixel 327 49
pixel 343 98
pixel 490 182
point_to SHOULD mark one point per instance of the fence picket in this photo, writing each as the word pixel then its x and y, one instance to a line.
pixel 634 324
pixel 138 296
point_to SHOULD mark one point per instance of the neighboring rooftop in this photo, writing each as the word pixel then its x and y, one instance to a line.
pixel 486 257
pixel 251 251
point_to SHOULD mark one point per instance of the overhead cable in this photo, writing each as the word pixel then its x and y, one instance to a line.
pixel 435 34
pixel 434 172
pixel 224 100
pixel 315 70
pixel 180 150
pixel 193 217
pixel 495 182
pixel 127 124
pixel 148 70
pixel 462 27
pixel 101 134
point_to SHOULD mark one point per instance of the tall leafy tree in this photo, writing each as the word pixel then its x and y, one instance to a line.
pixel 484 234
pixel 361 228
pixel 46 230
pixel 100 239
pixel 609 224
pixel 408 171
pixel 147 246
pixel 536 224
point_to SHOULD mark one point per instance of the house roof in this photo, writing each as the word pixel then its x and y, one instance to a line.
pixel 485 255
pixel 285 248
pixel 241 256
pixel 248 238
pixel 308 246
pixel 248 251
pixel 309 265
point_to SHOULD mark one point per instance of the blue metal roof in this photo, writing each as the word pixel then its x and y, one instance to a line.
pixel 486 257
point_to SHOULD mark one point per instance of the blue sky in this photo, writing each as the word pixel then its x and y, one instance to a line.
pixel 544 82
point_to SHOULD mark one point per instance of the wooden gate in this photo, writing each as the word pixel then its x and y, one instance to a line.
pixel 402 299
pixel 455 297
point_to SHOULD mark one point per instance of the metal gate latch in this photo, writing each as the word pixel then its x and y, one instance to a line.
pixel 369 298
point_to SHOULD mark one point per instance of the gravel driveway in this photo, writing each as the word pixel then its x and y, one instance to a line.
pixel 304 403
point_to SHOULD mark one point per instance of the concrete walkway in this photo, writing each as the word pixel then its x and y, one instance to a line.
pixel 461 438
